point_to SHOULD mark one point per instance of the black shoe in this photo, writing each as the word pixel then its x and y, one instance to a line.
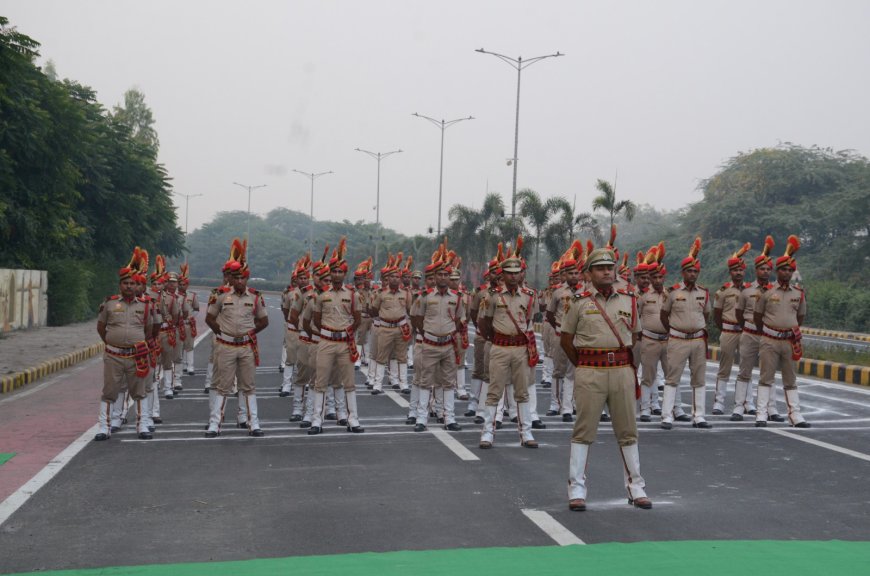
pixel 552 413
pixel 283 394
pixel 145 436
pixel 419 428
pixel 567 418
pixel 657 412
pixel 280 369
pixel 342 422
pixel 376 392
pixel 168 396
pixel 505 413
pixel 683 418
pixel 546 384
pixel 191 372
pixel 205 390
pixel 406 391
pixel 296 418
pixel 330 417
pixel 151 428
pixel 396 387
pixel 411 420
pixel 803 424
pixel 114 429
pixel 469 413
pixel 775 418
pixel 645 418
pixel 478 419
pixel 256 433
pixel 605 418
pixel 177 389
pixel 454 427
pixel 157 420
pixel 356 429
pixel 538 425
pixel 369 385
pixel 305 424
pixel 514 419
pixel 314 430
pixel 752 412
pixel 760 424
pixel 440 420
pixel 498 425
pixel 717 412
pixel 666 425
pixel 701 424
pixel 211 434
pixel 100 437
pixel 241 425
pixel 736 417
pixel 661 387
pixel 432 414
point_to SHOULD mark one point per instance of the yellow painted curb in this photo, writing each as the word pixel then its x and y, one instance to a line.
pixel 836 371
pixel 835 334
pixel 11 382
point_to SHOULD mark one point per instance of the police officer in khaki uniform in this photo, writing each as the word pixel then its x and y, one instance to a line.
pixel 390 306
pixel 436 317
pixel 309 337
pixel 725 303
pixel 480 374
pixel 124 323
pixel 454 283
pixel 548 337
pixel 191 301
pixel 175 313
pixel 684 314
pixel 507 324
pixel 291 330
pixel 336 316
pixel 560 302
pixel 750 339
pixel 597 334
pixel 236 316
pixel 779 313
pixel 654 335
pixel 364 295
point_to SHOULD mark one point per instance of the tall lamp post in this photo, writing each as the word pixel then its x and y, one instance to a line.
pixel 313 176
pixel 378 156
pixel 187 198
pixel 518 64
pixel 443 125
pixel 248 233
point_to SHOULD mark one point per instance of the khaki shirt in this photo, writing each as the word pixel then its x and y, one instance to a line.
pixel 726 299
pixel 780 307
pixel 649 308
pixel 191 300
pixel 481 300
pixel 589 327
pixel 439 311
pixel 560 302
pixel 392 306
pixel 336 308
pixel 686 308
pixel 364 300
pixel 521 304
pixel 306 308
pixel 748 298
pixel 236 313
pixel 126 322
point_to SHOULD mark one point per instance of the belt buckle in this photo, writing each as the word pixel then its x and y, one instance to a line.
pixel 238 340
pixel 611 358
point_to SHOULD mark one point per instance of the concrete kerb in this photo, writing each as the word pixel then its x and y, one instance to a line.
pixel 11 382
pixel 854 336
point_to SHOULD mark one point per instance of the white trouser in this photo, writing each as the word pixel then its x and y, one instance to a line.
pixel 414 402
pixel 524 421
pixel 719 394
pixel 577 471
pixel 403 376
pixel 488 432
pixel 378 382
pixel 298 399
pixel 794 406
pixel 699 403
pixel 287 381
pixel 103 418
pixel 547 374
pixel 568 392
pixel 250 402
pixel 352 413
pixel 474 394
pixel 634 482
pixel 425 395
pixel 217 404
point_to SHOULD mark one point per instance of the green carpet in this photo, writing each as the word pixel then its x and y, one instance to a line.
pixel 710 558
pixel 6 457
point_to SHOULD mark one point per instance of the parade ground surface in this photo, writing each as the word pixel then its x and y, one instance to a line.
pixel 390 501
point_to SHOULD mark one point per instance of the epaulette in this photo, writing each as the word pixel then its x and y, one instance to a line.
pixel 625 291
pixel 253 291
pixel 113 297
pixel 454 292
pixel 350 287
pixel 584 294
pixel 224 289
pixel 528 291
pixel 798 287
pixel 429 290
pixel 675 286
pixel 747 284
pixel 768 286
pixel 727 285
pixel 700 287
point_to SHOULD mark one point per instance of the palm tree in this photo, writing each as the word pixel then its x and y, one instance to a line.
pixel 566 226
pixel 538 214
pixel 607 201
pixel 474 233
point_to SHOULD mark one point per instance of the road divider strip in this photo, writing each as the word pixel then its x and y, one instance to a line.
pixel 836 371
pixel 835 334
pixel 27 376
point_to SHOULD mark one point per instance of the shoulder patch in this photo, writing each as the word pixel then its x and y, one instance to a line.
pixel 585 294
pixel 113 297
pixel 747 284
pixel 224 289
pixel 675 287
pixel 726 286
pixel 253 291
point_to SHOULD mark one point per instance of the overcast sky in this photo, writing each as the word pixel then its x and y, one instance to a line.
pixel 661 93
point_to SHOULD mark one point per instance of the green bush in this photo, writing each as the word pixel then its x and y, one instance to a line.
pixel 834 305
pixel 69 288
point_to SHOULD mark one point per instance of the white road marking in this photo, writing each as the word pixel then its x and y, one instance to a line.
pixel 454 445
pixel 397 398
pixel 17 499
pixel 201 337
pixel 835 448
pixel 561 535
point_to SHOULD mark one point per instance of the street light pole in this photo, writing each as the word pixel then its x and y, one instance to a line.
pixel 248 233
pixel 378 156
pixel 443 125
pixel 518 64
pixel 313 176
pixel 187 198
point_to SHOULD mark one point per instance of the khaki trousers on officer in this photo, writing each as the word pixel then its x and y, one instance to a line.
pixel 508 365
pixel 560 359
pixel 680 352
pixel 777 354
pixel 305 366
pixel 291 345
pixel 481 368
pixel 652 352
pixel 391 345
pixel 187 346
pixel 547 334
pixel 120 373
pixel 333 366
pixel 728 344
pixel 749 347
pixel 362 332
pixel 438 367
pixel 233 364
pixel 167 354
pixel 595 387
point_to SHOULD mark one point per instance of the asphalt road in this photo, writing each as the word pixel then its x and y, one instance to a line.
pixel 181 497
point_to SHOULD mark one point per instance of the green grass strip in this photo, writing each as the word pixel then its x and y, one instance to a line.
pixel 6 457
pixel 710 558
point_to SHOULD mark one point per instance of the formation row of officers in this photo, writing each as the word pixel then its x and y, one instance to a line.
pixel 599 329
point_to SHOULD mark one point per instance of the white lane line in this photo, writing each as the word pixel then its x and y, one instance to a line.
pixel 338 435
pixel 834 447
pixel 201 337
pixel 397 398
pixel 454 445
pixel 17 499
pixel 561 535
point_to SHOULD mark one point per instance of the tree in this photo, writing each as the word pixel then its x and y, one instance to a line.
pixel 137 116
pixel 538 213
pixel 606 201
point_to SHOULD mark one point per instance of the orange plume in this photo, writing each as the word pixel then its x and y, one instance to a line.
pixel 696 247
pixel 768 246
pixel 519 248
pixel 589 247
pixel 792 245
pixel 612 241
pixel 640 257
